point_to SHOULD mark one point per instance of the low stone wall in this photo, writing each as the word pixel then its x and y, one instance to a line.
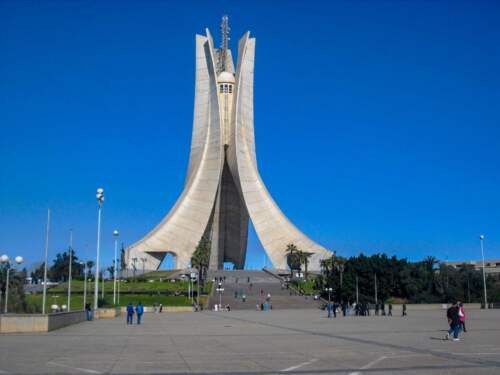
pixel 59 320
pixel 19 323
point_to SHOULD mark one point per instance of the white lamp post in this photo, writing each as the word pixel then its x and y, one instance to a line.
pixel 69 271
pixel 115 265
pixel 481 239
pixel 100 200
pixel 220 290
pixel 44 298
pixel 329 294
pixel 4 259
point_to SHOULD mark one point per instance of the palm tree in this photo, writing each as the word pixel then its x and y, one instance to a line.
pixel 304 259
pixel 293 258
pixel 429 263
pixel 90 264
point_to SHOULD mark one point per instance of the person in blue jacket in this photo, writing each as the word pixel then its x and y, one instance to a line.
pixel 130 313
pixel 139 310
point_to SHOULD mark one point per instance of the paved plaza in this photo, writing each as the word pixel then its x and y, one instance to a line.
pixel 252 342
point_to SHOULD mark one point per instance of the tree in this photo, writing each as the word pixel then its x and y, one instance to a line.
pixel 59 271
pixel 90 265
pixel 17 300
pixel 292 258
pixel 201 257
pixel 304 259
pixel 123 263
pixel 111 270
pixel 37 273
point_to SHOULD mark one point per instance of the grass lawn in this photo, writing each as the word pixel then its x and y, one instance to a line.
pixel 35 300
pixel 125 286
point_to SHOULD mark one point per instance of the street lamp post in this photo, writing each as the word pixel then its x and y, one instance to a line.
pixel 329 295
pixel 46 259
pixel 376 296
pixel 220 289
pixel 357 290
pixel 481 238
pixel 115 265
pixel 84 283
pixel 5 260
pixel 70 264
pixel 100 200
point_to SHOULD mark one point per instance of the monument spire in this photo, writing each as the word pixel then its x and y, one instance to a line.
pixel 224 43
pixel 223 189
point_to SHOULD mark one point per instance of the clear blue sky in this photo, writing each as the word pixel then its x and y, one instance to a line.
pixel 377 122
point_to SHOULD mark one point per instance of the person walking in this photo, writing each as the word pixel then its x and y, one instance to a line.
pixel 139 310
pixel 453 321
pixel 329 309
pixel 130 313
pixel 88 310
pixel 404 310
pixel 390 310
pixel 461 316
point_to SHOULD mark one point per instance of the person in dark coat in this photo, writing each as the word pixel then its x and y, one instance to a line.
pixel 130 313
pixel 452 314
pixel 88 310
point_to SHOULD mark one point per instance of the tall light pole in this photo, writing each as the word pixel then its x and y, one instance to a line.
pixel 220 290
pixel 84 283
pixel 143 264
pixel 376 297
pixel 115 265
pixel 481 239
pixel 5 260
pixel 44 298
pixel 357 290
pixel 134 265
pixel 329 295
pixel 100 200
pixel 70 264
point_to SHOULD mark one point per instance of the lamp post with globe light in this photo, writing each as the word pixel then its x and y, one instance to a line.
pixel 4 259
pixel 115 265
pixel 481 239
pixel 100 200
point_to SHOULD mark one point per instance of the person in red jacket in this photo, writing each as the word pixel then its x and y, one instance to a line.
pixel 461 316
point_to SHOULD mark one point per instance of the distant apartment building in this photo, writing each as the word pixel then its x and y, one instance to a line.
pixel 491 266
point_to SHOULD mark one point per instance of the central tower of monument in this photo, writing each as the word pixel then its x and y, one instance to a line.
pixel 223 188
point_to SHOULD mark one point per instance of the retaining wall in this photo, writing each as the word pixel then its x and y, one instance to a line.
pixel 18 323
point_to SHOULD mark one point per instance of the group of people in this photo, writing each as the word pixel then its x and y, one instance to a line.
pixel 456 320
pixel 139 310
pixel 157 308
pixel 359 309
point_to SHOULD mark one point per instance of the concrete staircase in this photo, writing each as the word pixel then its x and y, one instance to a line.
pixel 256 285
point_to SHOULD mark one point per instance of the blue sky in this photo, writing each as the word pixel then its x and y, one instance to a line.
pixel 377 122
